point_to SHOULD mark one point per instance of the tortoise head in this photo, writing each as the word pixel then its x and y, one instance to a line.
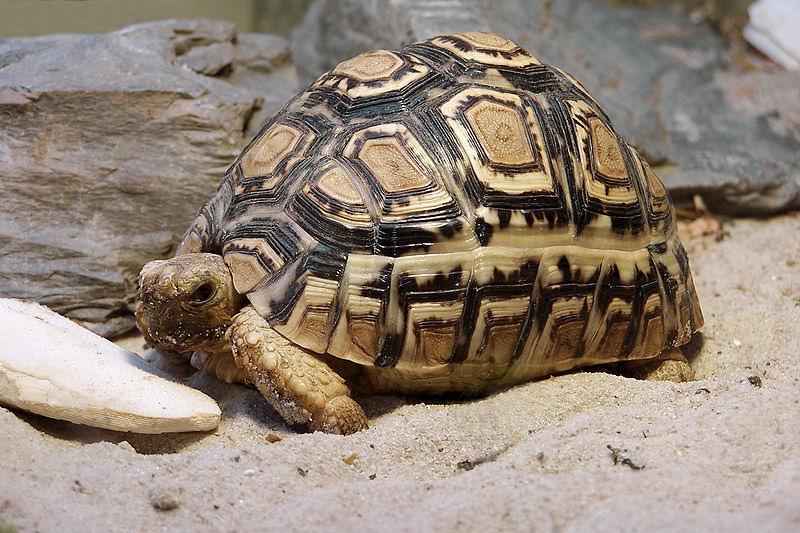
pixel 187 303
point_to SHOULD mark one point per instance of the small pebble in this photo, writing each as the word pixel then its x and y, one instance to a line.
pixel 272 438
pixel 350 459
pixel 250 472
pixel 466 466
pixel 737 342
pixel 165 498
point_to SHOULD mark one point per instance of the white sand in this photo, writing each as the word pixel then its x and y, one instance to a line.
pixel 719 454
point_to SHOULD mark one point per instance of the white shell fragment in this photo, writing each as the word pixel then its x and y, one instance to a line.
pixel 774 29
pixel 53 367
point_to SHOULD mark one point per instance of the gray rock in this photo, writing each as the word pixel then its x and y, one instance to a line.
pixel 651 68
pixel 263 66
pixel 110 144
pixel 166 497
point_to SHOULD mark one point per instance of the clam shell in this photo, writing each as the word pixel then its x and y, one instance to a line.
pixel 53 367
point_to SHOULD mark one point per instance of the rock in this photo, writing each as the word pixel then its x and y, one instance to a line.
pixel 165 498
pixel 651 68
pixel 55 368
pixel 770 94
pixel 125 445
pixel 264 67
pixel 210 59
pixel 774 29
pixel 111 143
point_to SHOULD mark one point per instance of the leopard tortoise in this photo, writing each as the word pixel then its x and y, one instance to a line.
pixel 455 216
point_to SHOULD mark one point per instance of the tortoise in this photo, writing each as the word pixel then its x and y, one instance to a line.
pixel 452 217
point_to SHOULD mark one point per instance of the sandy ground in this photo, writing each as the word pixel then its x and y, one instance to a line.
pixel 718 454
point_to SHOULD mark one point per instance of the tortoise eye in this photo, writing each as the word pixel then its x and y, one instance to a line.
pixel 202 294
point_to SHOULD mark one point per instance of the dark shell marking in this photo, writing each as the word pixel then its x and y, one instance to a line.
pixel 451 215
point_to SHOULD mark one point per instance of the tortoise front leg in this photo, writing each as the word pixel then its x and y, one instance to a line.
pixel 301 387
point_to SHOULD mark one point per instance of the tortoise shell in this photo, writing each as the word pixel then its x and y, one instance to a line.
pixel 457 209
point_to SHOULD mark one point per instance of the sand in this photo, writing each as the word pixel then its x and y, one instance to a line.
pixel 721 453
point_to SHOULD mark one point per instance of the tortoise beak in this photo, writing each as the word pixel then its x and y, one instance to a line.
pixel 156 313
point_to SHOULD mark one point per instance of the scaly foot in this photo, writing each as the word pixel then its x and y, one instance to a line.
pixel 669 366
pixel 301 387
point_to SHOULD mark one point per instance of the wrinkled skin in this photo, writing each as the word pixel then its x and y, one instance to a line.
pixel 187 303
